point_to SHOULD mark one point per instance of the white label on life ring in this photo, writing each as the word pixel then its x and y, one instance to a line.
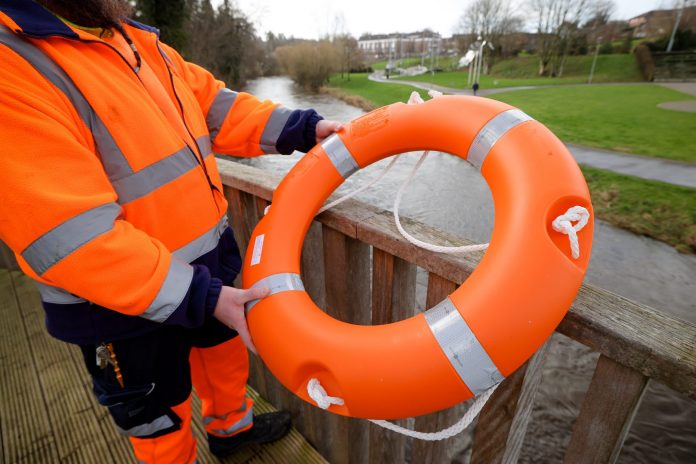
pixel 258 248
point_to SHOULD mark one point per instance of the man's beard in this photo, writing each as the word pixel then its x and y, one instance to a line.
pixel 90 13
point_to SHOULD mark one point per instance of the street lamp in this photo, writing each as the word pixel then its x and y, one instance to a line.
pixel 676 26
pixel 594 60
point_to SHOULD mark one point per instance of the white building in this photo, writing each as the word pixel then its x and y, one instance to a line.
pixel 398 44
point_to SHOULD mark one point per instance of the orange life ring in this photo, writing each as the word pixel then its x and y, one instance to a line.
pixel 483 331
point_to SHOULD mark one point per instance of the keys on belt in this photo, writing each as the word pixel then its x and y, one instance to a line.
pixel 105 356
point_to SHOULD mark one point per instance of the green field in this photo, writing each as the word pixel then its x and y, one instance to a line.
pixel 376 93
pixel 662 211
pixel 523 71
pixel 622 118
pixel 617 117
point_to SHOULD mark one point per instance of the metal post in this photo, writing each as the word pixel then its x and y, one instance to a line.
pixel 676 26
pixel 480 63
pixel 471 73
pixel 594 61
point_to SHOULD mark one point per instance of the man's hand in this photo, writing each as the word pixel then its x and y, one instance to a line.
pixel 326 127
pixel 230 310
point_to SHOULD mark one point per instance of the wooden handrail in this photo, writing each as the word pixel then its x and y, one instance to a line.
pixel 639 337
pixel 636 343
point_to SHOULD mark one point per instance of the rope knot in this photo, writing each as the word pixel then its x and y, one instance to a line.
pixel 564 225
pixel 319 395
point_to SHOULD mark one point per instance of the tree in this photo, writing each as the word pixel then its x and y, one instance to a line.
pixel 491 20
pixel 558 29
pixel 169 17
pixel 223 41
pixel 600 13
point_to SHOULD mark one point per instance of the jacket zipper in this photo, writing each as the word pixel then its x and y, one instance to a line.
pixel 200 160
pixel 197 155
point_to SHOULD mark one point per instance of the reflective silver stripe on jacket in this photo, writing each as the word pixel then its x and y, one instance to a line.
pixel 171 293
pixel 55 295
pixel 188 253
pixel 144 430
pixel 245 421
pixel 491 133
pixel 154 176
pixel 274 127
pixel 277 283
pixel 204 145
pixel 115 163
pixel 203 244
pixel 462 348
pixel 340 156
pixel 128 185
pixel 222 104
pixel 160 173
pixel 67 237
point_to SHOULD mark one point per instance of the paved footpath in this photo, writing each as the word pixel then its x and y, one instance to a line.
pixel 663 170
pixel 672 172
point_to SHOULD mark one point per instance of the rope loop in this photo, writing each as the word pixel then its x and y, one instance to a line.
pixel 319 395
pixel 564 225
pixel 324 401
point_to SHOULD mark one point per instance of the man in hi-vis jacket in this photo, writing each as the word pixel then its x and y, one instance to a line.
pixel 112 202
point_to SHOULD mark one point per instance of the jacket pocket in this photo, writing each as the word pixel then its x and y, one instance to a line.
pixel 135 409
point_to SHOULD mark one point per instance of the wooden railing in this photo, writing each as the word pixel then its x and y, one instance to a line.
pixel 357 267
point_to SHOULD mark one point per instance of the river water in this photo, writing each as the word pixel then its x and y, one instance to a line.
pixel 449 194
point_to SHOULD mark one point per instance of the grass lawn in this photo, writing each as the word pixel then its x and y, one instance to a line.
pixel 623 118
pixel 661 211
pixel 522 71
pixel 376 93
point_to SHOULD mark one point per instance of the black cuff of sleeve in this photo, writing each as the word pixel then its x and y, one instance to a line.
pixel 213 296
pixel 299 133
pixel 200 300
pixel 310 132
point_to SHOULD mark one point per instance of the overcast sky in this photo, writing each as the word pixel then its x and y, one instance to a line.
pixel 315 18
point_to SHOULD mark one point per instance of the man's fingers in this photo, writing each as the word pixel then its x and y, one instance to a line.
pixel 253 293
pixel 243 331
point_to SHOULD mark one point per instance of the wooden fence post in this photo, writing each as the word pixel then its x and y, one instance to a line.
pixel 435 451
pixel 502 424
pixel 606 414
pixel 347 265
pixel 393 299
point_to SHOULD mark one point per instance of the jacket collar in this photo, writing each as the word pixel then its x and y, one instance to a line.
pixel 36 21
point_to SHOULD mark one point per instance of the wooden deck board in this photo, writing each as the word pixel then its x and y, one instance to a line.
pixel 47 410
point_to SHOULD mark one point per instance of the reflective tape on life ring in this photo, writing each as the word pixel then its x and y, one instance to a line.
pixel 481 332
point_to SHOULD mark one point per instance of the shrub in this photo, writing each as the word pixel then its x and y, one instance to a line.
pixel 645 61
pixel 309 64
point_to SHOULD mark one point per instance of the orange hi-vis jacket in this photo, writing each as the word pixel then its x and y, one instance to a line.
pixel 112 206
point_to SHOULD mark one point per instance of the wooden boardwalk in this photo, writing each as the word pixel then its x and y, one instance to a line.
pixel 48 413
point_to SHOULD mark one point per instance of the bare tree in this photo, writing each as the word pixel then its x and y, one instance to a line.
pixel 490 19
pixel 558 24
pixel 600 13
